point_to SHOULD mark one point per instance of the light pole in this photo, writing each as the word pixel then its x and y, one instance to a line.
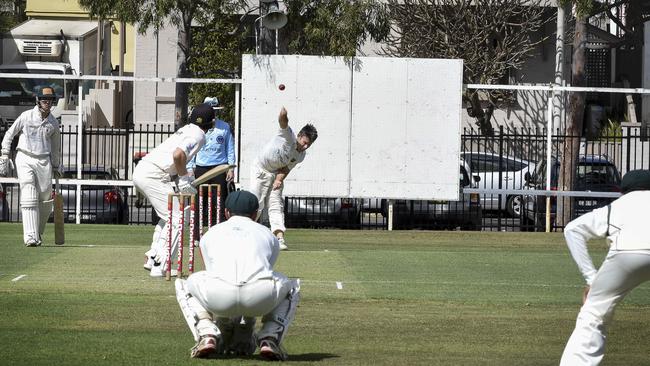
pixel 272 17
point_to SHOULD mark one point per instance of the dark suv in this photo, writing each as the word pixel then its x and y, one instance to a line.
pixel 594 173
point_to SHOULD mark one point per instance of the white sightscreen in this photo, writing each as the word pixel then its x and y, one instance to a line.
pixel 406 128
pixel 387 127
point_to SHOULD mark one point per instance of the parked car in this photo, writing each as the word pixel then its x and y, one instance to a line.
pixel 494 168
pixel 4 205
pixel 317 210
pixel 465 213
pixel 594 173
pixel 100 204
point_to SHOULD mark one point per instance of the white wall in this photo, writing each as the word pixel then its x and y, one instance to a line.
pixel 155 56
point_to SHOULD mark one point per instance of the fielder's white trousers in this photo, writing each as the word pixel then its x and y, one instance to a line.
pixel 620 273
pixel 154 184
pixel 35 178
pixel 267 297
pixel 261 185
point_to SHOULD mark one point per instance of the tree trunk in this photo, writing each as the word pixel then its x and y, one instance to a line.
pixel 184 42
pixel 576 108
pixel 483 117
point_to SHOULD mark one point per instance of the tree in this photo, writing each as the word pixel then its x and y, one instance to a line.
pixel 328 28
pixel 638 12
pixel 12 12
pixel 332 27
pixel 492 38
pixel 155 14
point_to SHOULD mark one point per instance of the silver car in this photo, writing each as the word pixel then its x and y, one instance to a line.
pixel 99 204
pixel 500 171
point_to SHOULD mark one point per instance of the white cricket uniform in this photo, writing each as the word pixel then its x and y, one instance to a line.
pixel 153 177
pixel 38 152
pixel 239 280
pixel 278 153
pixel 626 266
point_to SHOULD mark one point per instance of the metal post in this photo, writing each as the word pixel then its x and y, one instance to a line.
pixel 548 159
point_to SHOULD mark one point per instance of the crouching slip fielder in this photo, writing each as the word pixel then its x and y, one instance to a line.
pixel 626 266
pixel 238 284
pixel 37 160
pixel 153 176
pixel 273 164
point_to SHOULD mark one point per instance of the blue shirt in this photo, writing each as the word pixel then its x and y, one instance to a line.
pixel 219 147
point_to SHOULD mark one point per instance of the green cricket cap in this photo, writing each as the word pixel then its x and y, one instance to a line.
pixel 242 203
pixel 636 180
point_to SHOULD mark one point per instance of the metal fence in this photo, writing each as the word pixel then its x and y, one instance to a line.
pixel 510 195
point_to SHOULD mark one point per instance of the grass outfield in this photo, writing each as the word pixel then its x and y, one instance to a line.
pixel 407 298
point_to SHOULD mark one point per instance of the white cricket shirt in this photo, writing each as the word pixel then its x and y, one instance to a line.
pixel 280 152
pixel 38 137
pixel 239 250
pixel 189 138
pixel 628 230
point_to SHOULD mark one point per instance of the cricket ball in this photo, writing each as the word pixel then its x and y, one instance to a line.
pixel 281 86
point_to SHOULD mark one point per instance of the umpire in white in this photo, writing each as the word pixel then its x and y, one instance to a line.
pixel 37 160
pixel 626 266
pixel 220 304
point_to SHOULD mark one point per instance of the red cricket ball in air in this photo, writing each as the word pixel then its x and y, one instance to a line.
pixel 281 86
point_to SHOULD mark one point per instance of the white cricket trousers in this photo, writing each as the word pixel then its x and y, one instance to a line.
pixel 154 184
pixel 261 185
pixel 620 273
pixel 267 297
pixel 35 178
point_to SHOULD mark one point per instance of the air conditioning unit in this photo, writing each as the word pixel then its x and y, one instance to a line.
pixel 40 48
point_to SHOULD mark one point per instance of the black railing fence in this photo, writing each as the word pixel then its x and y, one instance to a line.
pixel 508 173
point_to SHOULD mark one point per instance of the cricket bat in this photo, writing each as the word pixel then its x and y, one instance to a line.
pixel 59 233
pixel 219 169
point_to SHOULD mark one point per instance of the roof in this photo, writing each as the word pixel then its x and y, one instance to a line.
pixel 59 67
pixel 52 28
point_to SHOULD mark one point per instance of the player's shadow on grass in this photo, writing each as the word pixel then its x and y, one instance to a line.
pixel 311 357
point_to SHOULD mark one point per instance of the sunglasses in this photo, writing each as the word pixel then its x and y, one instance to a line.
pixel 46 99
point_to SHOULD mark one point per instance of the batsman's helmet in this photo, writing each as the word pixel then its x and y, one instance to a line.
pixel 203 116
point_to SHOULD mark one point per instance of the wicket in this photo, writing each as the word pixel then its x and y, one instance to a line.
pixel 183 200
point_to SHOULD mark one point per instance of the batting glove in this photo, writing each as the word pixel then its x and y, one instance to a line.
pixel 185 185
pixel 4 165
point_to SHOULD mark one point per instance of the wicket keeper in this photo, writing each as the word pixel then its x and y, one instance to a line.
pixel 626 266
pixel 220 304
pixel 273 164
pixel 161 172
pixel 37 161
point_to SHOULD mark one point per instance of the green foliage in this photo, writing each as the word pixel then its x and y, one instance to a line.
pixel 217 54
pixel 611 130
pixel 156 13
pixel 9 17
pixel 582 7
pixel 334 27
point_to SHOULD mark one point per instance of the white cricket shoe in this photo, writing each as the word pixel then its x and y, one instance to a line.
pixel 148 263
pixel 32 242
pixel 283 245
pixel 156 271
pixel 205 347
pixel 271 351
